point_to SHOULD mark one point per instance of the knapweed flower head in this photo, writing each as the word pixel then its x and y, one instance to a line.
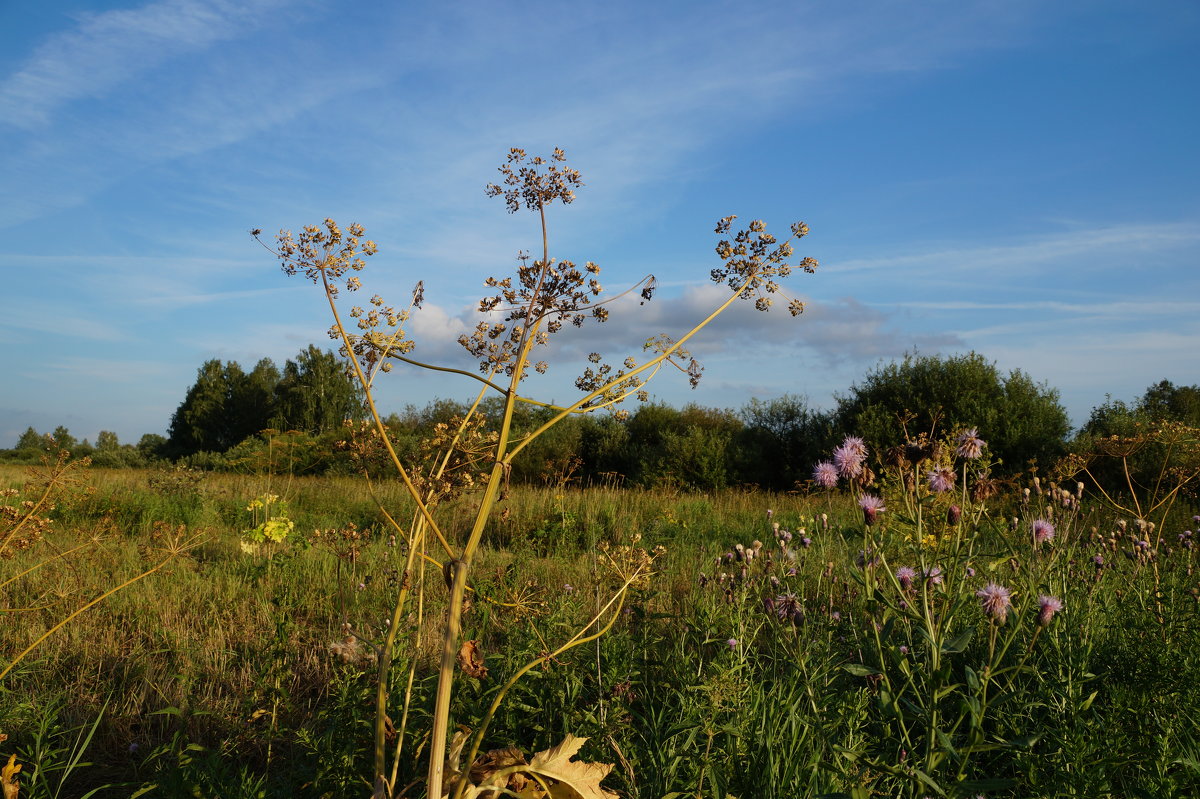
pixel 1047 607
pixel 731 643
pixel 848 462
pixel 970 445
pixel 856 445
pixel 1043 531
pixel 996 601
pixel 905 576
pixel 933 576
pixel 825 474
pixel 941 479
pixel 953 514
pixel 871 506
pixel 788 608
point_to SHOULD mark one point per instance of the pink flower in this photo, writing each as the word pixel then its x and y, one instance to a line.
pixel 996 601
pixel 871 506
pixel 941 480
pixel 849 462
pixel 1043 531
pixel 970 445
pixel 825 474
pixel 1047 607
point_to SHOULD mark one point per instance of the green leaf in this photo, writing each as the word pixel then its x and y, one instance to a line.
pixel 1190 762
pixel 1023 741
pixel 945 691
pixel 959 643
pixel 972 679
pixel 1087 703
pixel 860 669
pixel 925 778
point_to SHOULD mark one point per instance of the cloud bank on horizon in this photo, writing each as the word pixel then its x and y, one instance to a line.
pixel 1018 179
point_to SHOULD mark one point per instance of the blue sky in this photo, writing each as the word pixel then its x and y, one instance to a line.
pixel 1015 178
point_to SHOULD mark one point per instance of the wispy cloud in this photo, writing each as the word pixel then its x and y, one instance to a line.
pixel 105 50
pixel 1112 242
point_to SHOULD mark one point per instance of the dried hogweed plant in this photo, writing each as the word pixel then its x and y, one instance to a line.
pixel 518 319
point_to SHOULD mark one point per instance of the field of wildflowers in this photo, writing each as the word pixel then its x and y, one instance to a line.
pixel 905 637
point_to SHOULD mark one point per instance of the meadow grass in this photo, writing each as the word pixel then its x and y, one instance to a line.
pixel 803 670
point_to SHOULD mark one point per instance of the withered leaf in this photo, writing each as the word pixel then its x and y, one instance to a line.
pixel 470 660
pixel 575 779
pixel 489 763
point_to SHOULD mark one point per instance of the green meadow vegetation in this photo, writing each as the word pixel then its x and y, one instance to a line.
pixel 929 591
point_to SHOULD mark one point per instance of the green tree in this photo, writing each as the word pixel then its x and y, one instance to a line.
pixel 107 441
pixel 199 424
pixel 63 438
pixel 152 446
pixel 31 439
pixel 1127 444
pixel 1021 420
pixel 688 447
pixel 315 395
pixel 781 441
pixel 251 403
pixel 1166 401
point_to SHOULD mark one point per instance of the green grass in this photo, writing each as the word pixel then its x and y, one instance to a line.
pixel 216 677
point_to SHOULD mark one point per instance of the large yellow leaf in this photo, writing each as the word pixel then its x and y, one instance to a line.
pixel 575 779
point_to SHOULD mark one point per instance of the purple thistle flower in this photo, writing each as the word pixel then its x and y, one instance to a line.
pixel 1043 531
pixel 953 514
pixel 731 643
pixel 933 576
pixel 806 542
pixel 857 445
pixel 788 608
pixel 871 506
pixel 1047 607
pixel 848 462
pixel 903 649
pixel 905 576
pixel 941 479
pixel 996 601
pixel 825 474
pixel 970 445
pixel 970 571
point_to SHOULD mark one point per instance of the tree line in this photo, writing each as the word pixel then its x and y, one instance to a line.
pixel 303 409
